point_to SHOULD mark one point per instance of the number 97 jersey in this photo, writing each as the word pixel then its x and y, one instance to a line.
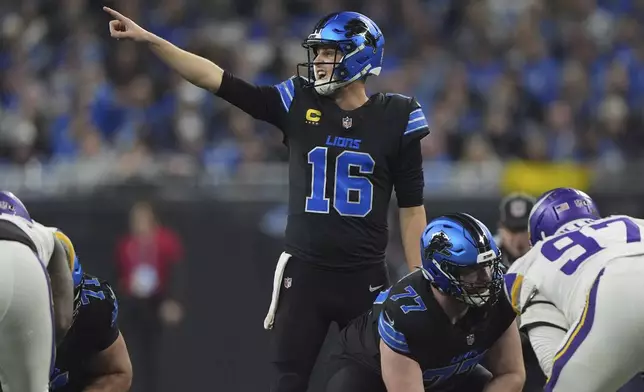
pixel 563 267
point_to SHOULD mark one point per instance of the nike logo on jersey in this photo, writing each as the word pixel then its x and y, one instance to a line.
pixel 389 320
pixel 372 289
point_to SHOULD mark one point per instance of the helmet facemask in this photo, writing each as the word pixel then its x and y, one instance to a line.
pixel 326 75
pixel 476 285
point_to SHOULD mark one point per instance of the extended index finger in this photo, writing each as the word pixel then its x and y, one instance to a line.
pixel 115 14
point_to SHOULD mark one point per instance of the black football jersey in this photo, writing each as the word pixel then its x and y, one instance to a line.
pixel 93 330
pixel 343 166
pixel 410 321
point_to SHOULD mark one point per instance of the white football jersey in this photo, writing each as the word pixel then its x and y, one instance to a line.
pixel 563 267
pixel 42 236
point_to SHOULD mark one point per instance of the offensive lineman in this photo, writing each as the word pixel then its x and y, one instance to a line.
pixel 36 296
pixel 431 330
pixel 578 290
pixel 93 356
pixel 347 152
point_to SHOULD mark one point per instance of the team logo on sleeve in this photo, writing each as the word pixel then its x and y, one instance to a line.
pixel 288 282
pixel 470 339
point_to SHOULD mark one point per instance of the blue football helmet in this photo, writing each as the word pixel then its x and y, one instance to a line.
pixel 359 41
pixel 77 273
pixel 557 208
pixel 11 205
pixel 457 247
pixel 77 278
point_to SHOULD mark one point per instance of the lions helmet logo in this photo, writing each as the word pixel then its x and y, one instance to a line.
pixel 359 27
pixel 440 244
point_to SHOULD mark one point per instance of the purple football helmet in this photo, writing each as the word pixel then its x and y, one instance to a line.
pixel 11 205
pixel 557 208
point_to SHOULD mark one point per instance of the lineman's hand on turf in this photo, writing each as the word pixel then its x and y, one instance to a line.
pixel 124 27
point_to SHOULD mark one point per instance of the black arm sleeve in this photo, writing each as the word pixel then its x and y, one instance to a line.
pixel 106 329
pixel 408 169
pixel 408 176
pixel 96 322
pixel 261 102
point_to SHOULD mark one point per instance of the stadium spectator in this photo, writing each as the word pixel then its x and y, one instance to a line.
pixel 147 260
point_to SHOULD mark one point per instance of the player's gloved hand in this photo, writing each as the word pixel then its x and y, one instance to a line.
pixel 124 27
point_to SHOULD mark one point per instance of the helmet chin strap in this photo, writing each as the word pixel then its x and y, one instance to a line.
pixel 328 87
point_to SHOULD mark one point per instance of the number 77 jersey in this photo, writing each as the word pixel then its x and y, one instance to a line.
pixel 563 267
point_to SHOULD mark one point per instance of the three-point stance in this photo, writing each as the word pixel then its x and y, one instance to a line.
pixel 578 292
pixel 93 356
pixel 36 295
pixel 432 329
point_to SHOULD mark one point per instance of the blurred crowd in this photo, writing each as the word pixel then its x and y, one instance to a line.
pixel 546 80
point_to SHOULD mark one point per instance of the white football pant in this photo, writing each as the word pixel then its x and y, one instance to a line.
pixel 26 320
pixel 604 349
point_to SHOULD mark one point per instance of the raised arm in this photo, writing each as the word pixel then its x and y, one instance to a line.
pixel 195 69
pixel 267 103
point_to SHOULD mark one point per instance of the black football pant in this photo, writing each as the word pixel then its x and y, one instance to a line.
pixel 311 297
pixel 349 375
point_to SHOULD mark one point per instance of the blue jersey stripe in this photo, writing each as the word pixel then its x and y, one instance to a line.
pixel 416 122
pixel 382 296
pixel 392 338
pixel 287 92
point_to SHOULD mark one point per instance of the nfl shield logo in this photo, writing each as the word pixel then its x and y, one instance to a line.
pixel 470 339
pixel 347 122
pixel 287 282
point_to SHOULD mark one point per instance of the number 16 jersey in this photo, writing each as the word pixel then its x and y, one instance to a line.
pixel 343 166
pixel 563 267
